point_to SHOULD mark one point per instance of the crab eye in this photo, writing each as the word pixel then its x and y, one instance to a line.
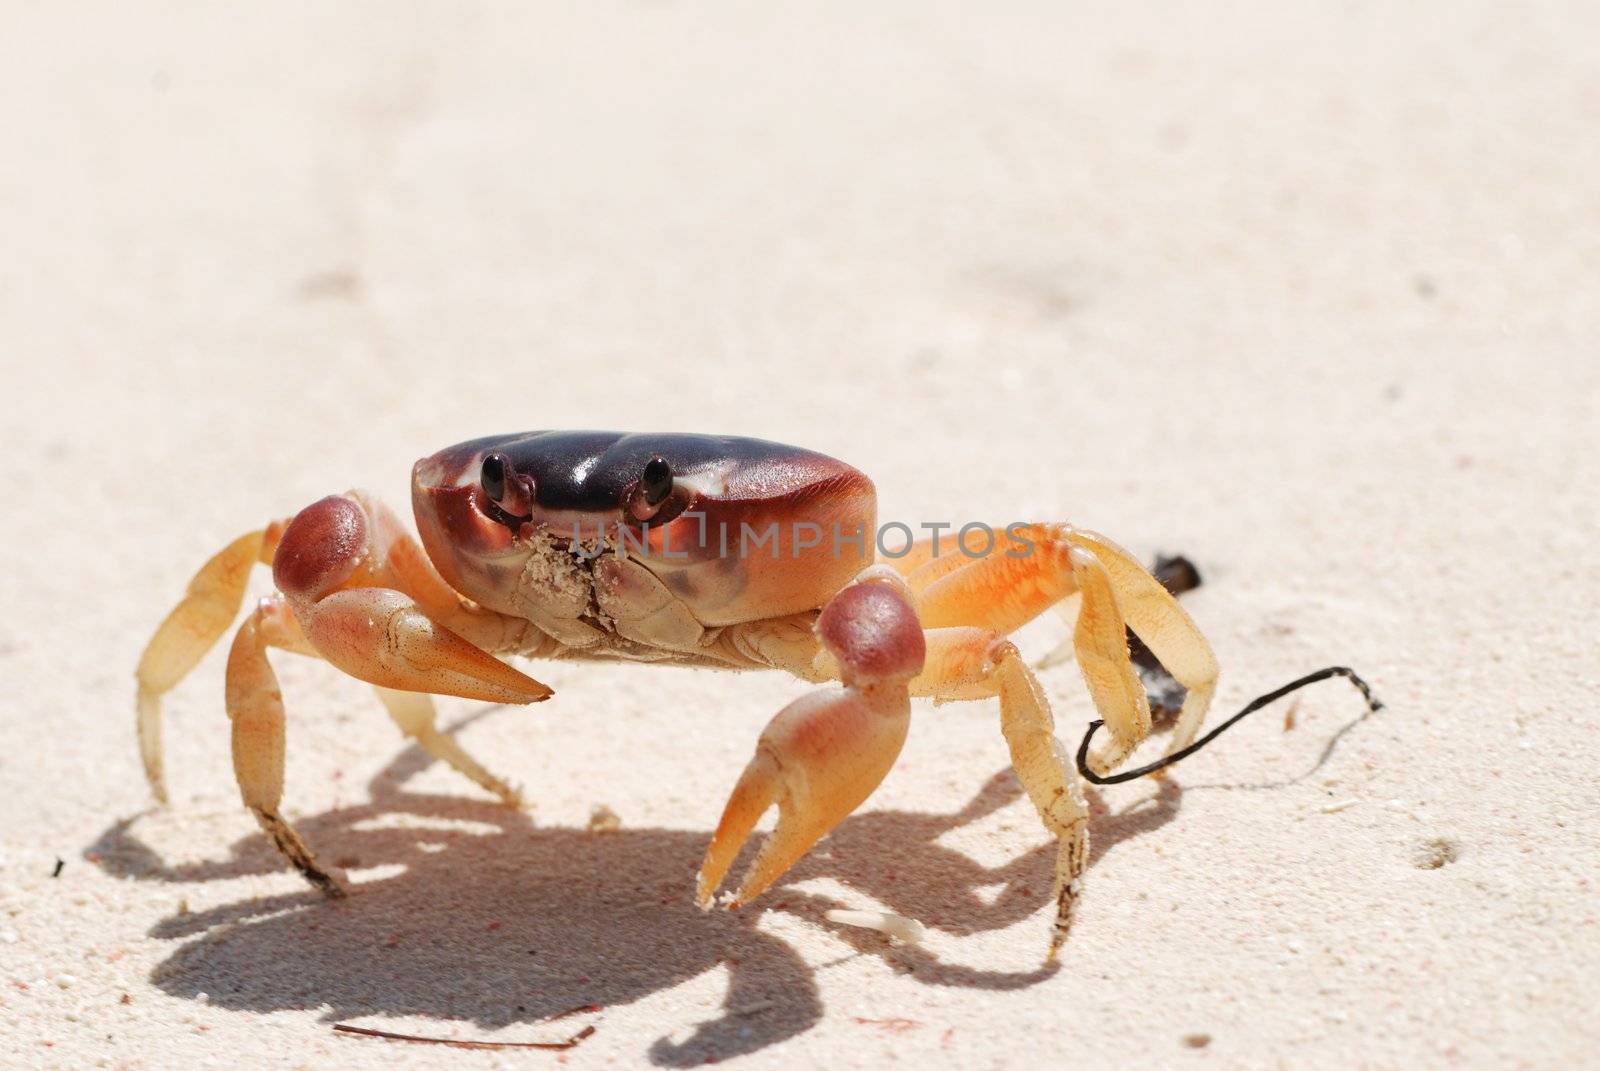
pixel 656 483
pixel 493 476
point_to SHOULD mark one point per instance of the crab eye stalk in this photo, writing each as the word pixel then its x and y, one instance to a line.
pixel 492 477
pixel 653 496
pixel 656 483
pixel 510 493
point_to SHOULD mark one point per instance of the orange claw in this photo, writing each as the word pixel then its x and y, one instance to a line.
pixel 380 636
pixel 333 566
pixel 819 759
pixel 824 754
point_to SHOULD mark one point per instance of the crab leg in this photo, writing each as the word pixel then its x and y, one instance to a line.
pixel 328 555
pixel 1158 619
pixel 1101 643
pixel 208 608
pixel 1001 592
pixel 357 591
pixel 974 663
pixel 414 713
pixel 1003 589
pixel 1047 775
pixel 823 755
pixel 364 540
pixel 255 707
pixel 931 559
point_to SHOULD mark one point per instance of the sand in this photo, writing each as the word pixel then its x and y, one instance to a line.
pixel 1306 292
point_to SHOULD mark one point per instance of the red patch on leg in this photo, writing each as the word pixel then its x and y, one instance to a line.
pixel 873 632
pixel 321 547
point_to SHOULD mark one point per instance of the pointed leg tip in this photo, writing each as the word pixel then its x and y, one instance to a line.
pixel 158 787
pixel 333 883
pixel 1058 940
pixel 706 898
pixel 509 795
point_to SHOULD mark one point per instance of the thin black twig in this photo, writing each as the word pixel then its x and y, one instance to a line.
pixel 1373 705
pixel 464 1043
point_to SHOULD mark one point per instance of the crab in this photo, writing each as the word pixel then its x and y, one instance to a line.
pixel 683 549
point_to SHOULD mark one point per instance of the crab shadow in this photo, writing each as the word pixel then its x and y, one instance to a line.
pixel 469 911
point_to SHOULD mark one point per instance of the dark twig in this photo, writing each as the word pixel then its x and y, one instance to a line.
pixel 462 1043
pixel 1373 705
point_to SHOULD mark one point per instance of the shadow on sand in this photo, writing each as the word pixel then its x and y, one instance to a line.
pixel 479 915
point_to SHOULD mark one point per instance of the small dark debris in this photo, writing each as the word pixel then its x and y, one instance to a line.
pixel 338 284
pixel 1434 853
pixel 1425 286
pixel 60 863
pixel 1196 1041
pixel 1177 573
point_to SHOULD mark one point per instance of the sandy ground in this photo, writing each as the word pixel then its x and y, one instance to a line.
pixel 1310 295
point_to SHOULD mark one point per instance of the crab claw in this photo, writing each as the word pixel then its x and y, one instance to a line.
pixel 818 760
pixel 822 755
pixel 381 637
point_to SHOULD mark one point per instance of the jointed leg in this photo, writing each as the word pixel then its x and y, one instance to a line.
pixel 1003 591
pixel 1158 619
pixel 972 663
pixel 255 707
pixel 351 583
pixel 1101 642
pixel 1046 773
pixel 815 747
pixel 1000 592
pixel 1021 577
pixel 414 713
pixel 208 608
